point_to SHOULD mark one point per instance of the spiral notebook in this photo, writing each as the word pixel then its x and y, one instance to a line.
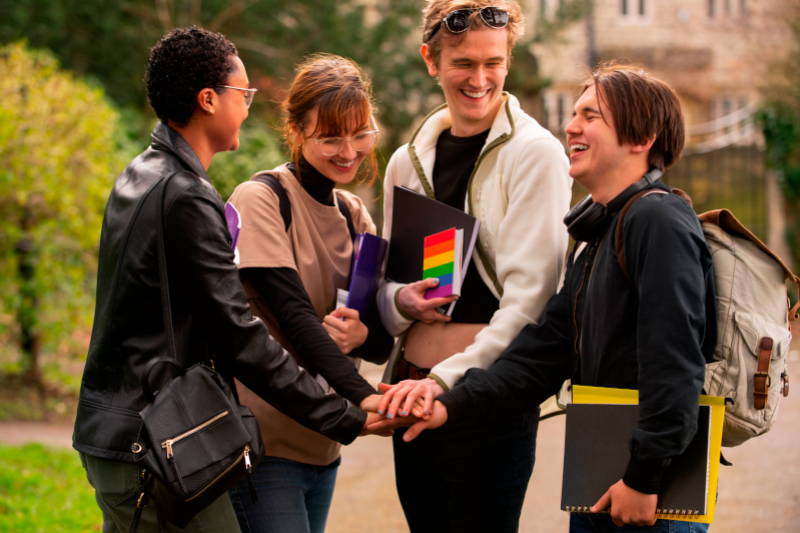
pixel 596 455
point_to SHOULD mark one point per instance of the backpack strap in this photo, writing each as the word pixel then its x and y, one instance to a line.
pixel 348 217
pixel 620 233
pixel 761 381
pixel 272 181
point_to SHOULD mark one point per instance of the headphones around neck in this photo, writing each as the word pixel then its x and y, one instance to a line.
pixel 588 220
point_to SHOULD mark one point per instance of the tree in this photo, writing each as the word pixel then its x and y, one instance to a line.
pixel 780 119
pixel 57 164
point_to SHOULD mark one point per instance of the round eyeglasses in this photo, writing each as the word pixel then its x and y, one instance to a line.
pixel 249 94
pixel 362 142
pixel 458 21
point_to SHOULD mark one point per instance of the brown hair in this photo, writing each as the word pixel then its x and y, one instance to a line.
pixel 436 10
pixel 342 94
pixel 641 106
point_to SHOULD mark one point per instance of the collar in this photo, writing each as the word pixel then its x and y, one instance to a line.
pixel 167 139
pixel 426 136
pixel 319 187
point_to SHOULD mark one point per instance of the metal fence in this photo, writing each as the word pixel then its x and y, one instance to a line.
pixel 733 177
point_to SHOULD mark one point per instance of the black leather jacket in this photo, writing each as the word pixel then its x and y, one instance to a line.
pixel 210 313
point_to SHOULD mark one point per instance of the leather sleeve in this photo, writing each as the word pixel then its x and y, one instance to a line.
pixel 283 291
pixel 530 370
pixel 201 269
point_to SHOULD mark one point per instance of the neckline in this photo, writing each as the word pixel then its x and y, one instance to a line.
pixel 319 187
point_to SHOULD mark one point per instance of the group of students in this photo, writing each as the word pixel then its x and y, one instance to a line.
pixel 264 310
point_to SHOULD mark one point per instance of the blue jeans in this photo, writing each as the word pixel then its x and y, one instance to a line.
pixel 292 497
pixel 601 523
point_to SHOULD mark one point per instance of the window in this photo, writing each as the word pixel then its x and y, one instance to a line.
pixel 727 4
pixel 710 9
pixel 634 12
pixel 742 8
pixel 542 7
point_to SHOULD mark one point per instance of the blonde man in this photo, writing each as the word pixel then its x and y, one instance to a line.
pixel 482 154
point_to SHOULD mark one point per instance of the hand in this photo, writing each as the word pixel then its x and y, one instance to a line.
pixel 348 334
pixel 373 426
pixel 410 390
pixel 371 403
pixel 412 301
pixel 392 423
pixel 437 419
pixel 628 506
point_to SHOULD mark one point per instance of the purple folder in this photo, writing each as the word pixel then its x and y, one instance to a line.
pixel 366 271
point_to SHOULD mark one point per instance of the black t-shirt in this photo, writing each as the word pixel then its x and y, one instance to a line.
pixel 455 161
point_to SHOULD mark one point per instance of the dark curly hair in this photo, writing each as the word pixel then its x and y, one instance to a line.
pixel 184 62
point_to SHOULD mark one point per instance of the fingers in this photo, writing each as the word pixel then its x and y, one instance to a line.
pixel 418 408
pixel 388 394
pixel 346 313
pixel 428 405
pixel 414 431
pixel 603 503
pixel 411 399
pixel 332 322
pixel 402 390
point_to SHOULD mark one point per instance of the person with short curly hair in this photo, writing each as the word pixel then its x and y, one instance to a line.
pixel 199 89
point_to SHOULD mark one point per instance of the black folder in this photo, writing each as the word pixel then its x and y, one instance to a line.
pixel 414 217
pixel 596 455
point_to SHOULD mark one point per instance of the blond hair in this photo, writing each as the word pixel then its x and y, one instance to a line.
pixel 436 10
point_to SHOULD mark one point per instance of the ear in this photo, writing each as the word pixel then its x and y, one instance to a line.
pixel 207 101
pixel 426 55
pixel 640 148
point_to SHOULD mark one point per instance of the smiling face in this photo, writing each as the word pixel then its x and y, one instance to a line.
pixel 340 168
pixel 472 74
pixel 596 155
pixel 229 111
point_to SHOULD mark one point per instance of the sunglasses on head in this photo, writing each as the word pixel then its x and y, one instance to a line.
pixel 458 21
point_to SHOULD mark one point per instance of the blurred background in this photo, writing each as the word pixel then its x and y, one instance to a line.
pixel 73 112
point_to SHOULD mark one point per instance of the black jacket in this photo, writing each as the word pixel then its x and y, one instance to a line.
pixel 210 313
pixel 654 333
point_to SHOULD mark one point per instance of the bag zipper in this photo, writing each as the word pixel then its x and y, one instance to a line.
pixel 167 444
pixel 245 455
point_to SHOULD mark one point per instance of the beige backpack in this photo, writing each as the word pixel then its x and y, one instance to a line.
pixel 753 335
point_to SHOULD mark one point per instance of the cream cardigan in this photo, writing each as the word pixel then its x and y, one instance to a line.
pixel 520 190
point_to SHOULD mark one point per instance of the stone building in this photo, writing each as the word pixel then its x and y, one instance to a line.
pixel 713 52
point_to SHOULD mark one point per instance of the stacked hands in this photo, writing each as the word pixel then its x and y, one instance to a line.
pixel 410 404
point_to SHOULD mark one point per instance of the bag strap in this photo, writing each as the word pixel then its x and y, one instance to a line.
pixel 272 181
pixel 761 380
pixel 162 271
pixel 620 233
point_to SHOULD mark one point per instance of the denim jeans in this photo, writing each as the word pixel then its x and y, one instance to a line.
pixel 292 497
pixel 601 523
pixel 470 476
pixel 116 489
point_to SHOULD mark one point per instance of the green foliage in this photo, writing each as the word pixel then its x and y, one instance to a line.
pixel 45 489
pixel 258 150
pixel 781 126
pixel 57 163
pixel 110 41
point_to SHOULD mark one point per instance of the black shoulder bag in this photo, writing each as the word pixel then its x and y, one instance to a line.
pixel 196 441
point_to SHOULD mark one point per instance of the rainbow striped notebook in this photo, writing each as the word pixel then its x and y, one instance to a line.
pixel 442 259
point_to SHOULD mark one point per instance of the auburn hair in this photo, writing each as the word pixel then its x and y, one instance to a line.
pixel 435 12
pixel 341 93
pixel 641 106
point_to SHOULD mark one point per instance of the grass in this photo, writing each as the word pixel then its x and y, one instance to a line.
pixel 45 489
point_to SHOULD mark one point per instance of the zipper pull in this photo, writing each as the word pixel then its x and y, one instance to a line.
pixel 168 445
pixel 247 465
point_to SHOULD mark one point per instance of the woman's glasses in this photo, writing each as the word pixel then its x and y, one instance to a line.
pixel 249 94
pixel 458 21
pixel 362 142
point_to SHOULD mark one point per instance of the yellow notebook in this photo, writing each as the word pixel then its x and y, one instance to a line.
pixel 583 394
